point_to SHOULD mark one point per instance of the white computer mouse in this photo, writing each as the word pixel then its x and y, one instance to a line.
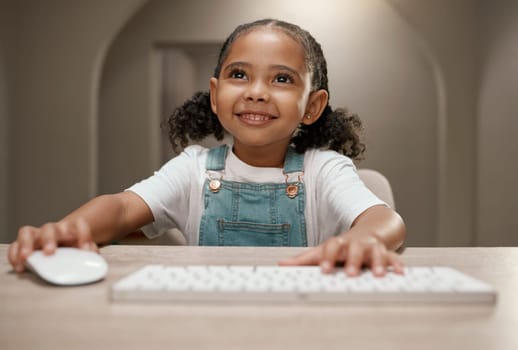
pixel 68 266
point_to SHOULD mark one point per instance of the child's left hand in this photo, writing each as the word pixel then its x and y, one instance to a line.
pixel 355 249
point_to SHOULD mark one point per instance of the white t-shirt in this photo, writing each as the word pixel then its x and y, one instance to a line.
pixel 335 195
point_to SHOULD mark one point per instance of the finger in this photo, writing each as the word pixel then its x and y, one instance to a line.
pixel 378 260
pixel 48 238
pixel 396 262
pixel 354 259
pixel 12 253
pixel 94 247
pixel 309 257
pixel 66 234
pixel 332 249
pixel 84 236
pixel 27 238
pixel 23 247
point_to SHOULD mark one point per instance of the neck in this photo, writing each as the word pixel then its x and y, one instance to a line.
pixel 264 157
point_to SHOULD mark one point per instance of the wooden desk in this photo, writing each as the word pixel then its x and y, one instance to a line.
pixel 34 315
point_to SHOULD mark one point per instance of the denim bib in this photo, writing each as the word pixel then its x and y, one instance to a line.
pixel 251 214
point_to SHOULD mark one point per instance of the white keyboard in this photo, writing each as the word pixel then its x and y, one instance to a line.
pixel 298 284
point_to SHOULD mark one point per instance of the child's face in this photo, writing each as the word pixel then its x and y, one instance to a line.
pixel 262 92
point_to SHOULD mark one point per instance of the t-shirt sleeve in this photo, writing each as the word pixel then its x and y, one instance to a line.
pixel 343 194
pixel 166 193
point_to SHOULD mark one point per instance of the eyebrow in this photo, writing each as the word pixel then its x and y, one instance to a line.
pixel 240 64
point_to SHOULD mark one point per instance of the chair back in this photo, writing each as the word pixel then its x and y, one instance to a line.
pixel 378 184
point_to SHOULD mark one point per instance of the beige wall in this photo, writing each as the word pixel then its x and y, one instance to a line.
pixel 6 25
pixel 497 122
pixel 59 50
pixel 446 28
pixel 427 51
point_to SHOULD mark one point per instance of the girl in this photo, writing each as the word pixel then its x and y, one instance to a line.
pixel 282 182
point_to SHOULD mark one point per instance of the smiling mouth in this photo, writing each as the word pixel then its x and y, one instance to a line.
pixel 253 117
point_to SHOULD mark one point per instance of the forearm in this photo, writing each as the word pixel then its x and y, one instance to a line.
pixel 110 217
pixel 383 223
pixel 101 220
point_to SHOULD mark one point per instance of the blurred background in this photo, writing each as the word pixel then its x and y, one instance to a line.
pixel 85 85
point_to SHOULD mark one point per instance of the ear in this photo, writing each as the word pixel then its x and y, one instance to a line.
pixel 316 104
pixel 213 85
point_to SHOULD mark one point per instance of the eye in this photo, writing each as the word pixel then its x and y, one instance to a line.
pixel 237 74
pixel 284 78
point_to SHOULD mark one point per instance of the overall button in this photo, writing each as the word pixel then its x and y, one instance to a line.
pixel 215 185
pixel 292 191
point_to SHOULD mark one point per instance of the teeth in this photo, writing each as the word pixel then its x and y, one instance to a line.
pixel 255 117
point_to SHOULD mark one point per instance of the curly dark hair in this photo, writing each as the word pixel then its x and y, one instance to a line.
pixel 337 129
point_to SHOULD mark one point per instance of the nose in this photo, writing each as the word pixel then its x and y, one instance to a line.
pixel 257 91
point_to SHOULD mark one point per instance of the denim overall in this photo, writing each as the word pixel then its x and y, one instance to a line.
pixel 251 214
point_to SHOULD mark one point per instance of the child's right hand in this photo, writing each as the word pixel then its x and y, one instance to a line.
pixel 47 237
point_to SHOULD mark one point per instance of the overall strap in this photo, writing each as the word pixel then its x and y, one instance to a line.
pixel 216 158
pixel 294 161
